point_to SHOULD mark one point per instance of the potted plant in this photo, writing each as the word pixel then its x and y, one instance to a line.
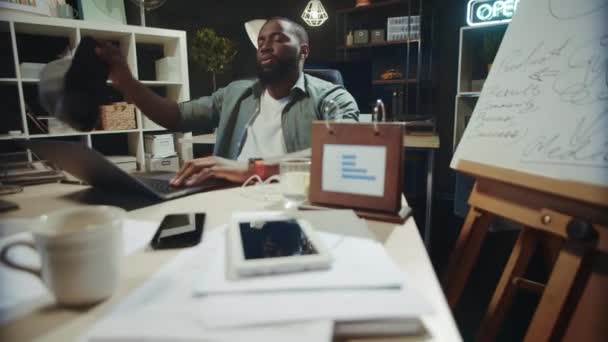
pixel 211 51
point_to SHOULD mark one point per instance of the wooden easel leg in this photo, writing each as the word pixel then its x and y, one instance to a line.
pixel 589 321
pixel 556 294
pixel 465 253
pixel 550 247
pixel 506 289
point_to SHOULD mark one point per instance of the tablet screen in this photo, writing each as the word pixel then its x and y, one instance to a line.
pixel 274 239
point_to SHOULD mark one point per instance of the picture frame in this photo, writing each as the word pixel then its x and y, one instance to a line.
pixel 103 11
pixel 40 7
pixel 385 138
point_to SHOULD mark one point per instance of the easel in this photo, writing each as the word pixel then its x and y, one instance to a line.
pixel 574 301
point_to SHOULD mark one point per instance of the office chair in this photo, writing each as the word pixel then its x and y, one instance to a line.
pixel 330 75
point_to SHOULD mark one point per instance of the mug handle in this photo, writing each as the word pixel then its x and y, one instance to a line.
pixel 10 263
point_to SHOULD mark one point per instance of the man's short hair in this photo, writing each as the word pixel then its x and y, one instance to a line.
pixel 296 28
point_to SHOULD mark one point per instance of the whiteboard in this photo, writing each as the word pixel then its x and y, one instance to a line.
pixel 543 109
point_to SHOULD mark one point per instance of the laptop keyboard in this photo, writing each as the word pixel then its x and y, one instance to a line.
pixel 160 185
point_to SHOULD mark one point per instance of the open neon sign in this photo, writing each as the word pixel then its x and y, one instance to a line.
pixel 484 12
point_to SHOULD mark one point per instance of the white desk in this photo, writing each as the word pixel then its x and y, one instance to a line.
pixel 427 143
pixel 51 323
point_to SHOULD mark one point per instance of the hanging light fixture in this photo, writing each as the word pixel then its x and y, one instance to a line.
pixel 314 13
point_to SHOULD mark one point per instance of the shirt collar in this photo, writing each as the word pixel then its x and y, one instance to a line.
pixel 300 83
pixel 300 86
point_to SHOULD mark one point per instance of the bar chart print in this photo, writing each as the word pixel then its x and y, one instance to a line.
pixel 354 169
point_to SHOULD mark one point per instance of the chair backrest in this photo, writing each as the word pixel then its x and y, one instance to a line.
pixel 330 75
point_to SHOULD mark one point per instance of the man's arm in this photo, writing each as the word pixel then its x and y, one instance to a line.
pixel 161 110
pixel 198 170
pixel 344 108
pixel 339 105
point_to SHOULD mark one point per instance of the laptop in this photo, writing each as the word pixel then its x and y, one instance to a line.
pixel 93 168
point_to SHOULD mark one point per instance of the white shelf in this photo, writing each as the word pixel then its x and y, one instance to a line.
pixel 8 80
pixel 153 129
pixel 70 134
pixel 172 43
pixel 114 131
pixel 161 83
pixel 469 94
pixel 11 137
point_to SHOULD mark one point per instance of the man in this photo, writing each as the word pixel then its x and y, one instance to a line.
pixel 258 121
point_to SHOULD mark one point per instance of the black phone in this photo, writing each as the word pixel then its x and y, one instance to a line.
pixel 179 230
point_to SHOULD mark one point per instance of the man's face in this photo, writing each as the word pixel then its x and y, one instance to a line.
pixel 279 51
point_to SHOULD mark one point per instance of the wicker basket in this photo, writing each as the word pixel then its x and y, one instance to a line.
pixel 117 116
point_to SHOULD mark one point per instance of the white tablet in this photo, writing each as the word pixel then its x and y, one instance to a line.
pixel 259 246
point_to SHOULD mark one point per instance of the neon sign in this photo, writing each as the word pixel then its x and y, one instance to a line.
pixel 484 12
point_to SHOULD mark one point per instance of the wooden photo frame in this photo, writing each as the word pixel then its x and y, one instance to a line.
pixel 387 137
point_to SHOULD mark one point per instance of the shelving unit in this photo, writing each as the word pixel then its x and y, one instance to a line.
pixel 39 39
pixel 375 44
pixel 393 81
pixel 403 96
pixel 472 71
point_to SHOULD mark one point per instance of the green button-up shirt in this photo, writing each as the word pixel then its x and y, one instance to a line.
pixel 233 108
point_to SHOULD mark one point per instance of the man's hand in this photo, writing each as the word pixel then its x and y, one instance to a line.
pixel 120 74
pixel 196 171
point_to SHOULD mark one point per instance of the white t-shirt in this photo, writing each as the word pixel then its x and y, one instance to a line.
pixel 265 134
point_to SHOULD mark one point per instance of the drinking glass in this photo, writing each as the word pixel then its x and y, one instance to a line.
pixel 295 178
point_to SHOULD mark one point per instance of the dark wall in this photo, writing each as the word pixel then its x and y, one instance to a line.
pixel 228 16
pixel 450 16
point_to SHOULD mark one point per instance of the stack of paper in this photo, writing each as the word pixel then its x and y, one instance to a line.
pixel 163 309
pixel 358 264
pixel 192 299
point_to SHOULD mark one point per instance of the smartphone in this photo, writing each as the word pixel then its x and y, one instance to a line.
pixel 275 245
pixel 179 230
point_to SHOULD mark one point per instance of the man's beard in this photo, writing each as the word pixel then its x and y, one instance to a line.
pixel 278 71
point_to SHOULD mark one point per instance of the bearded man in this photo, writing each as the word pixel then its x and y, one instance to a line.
pixel 258 122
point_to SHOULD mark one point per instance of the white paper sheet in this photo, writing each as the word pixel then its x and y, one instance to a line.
pixel 22 292
pixel 543 109
pixel 358 263
pixel 339 305
pixel 169 294
pixel 164 309
pixel 174 327
pixel 254 308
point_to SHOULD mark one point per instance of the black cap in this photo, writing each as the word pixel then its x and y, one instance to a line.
pixel 74 96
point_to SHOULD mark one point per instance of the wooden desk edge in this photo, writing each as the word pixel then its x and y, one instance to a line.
pixel 412 141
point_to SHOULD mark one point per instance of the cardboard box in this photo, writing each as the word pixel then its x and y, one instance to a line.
pixel 361 36
pixel 184 147
pixel 159 145
pixel 162 164
pixel 117 116
pixel 377 36
pixel 167 69
pixel 126 163
pixel 31 70
pixel 56 126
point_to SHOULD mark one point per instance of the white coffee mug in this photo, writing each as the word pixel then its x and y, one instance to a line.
pixel 80 251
